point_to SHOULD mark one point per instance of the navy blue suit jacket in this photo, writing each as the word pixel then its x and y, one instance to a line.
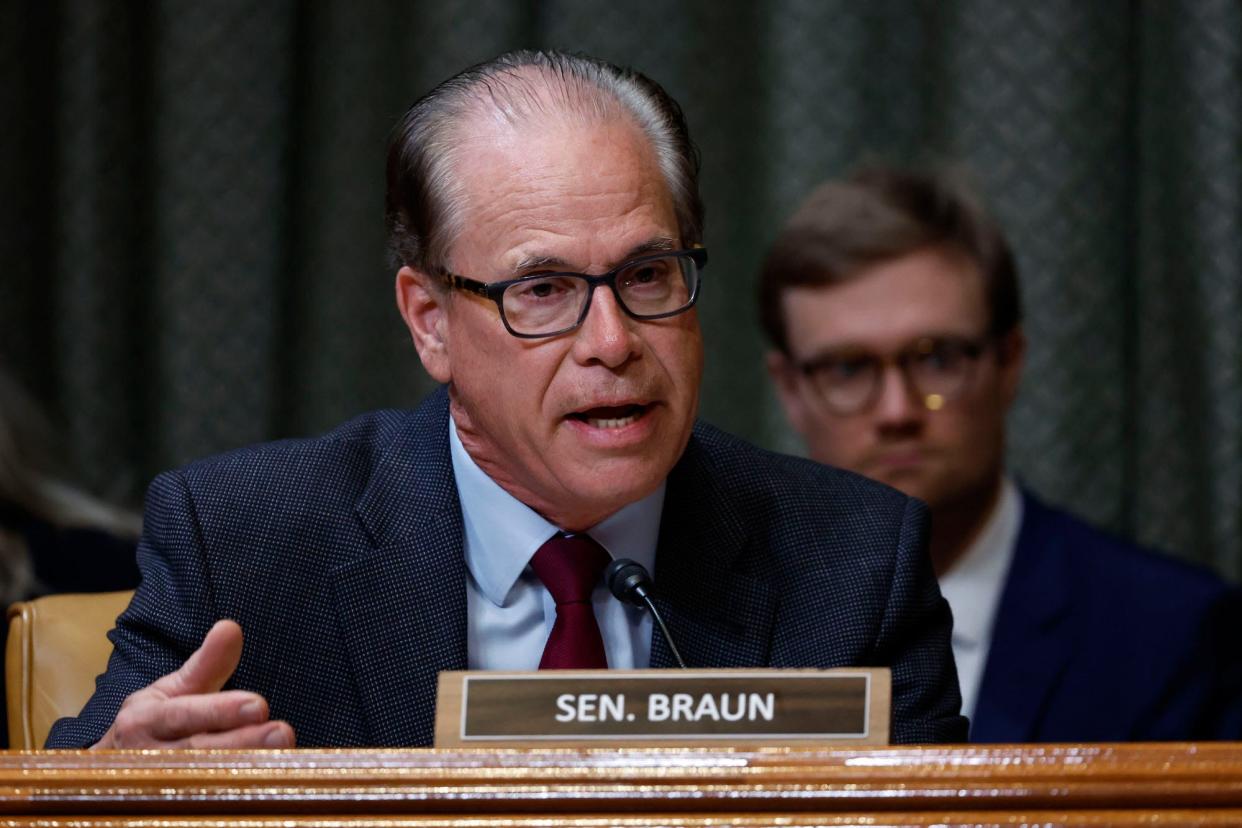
pixel 341 558
pixel 1098 640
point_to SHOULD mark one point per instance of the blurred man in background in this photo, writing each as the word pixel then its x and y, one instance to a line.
pixel 892 303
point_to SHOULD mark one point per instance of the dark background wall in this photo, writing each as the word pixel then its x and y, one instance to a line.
pixel 191 242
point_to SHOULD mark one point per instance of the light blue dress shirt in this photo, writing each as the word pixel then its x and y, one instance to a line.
pixel 509 613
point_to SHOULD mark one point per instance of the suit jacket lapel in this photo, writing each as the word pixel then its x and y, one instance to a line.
pixel 402 604
pixel 1031 644
pixel 717 616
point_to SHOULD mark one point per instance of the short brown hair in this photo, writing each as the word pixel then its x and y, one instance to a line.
pixel 876 215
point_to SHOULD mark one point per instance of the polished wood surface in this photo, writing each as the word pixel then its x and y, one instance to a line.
pixel 947 819
pixel 1153 784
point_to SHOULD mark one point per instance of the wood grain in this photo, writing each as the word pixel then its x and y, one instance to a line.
pixel 1147 784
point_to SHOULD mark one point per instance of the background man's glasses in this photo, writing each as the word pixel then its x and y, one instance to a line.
pixel 937 369
pixel 549 304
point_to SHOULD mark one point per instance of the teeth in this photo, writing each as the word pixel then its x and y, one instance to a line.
pixel 612 422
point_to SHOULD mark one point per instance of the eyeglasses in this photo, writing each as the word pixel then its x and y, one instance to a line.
pixel 550 304
pixel 936 368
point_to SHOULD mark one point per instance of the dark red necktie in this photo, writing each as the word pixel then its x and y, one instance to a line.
pixel 570 566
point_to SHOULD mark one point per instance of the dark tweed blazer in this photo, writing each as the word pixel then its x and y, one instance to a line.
pixel 341 558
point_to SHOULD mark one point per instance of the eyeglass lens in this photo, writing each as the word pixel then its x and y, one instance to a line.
pixel 646 288
pixel 849 382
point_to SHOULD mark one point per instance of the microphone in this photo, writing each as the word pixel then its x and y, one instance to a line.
pixel 630 583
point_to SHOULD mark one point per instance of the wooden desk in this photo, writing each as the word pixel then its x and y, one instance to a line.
pixel 1153 784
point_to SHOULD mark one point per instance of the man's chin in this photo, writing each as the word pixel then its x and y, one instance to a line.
pixel 937 493
pixel 593 498
pixel 909 480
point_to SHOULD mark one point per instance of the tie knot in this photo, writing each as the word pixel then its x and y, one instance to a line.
pixel 570 566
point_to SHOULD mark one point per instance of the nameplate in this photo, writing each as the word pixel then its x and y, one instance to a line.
pixel 558 708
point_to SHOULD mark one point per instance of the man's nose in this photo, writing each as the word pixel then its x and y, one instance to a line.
pixel 898 402
pixel 608 335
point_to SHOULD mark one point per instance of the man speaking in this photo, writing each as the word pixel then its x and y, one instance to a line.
pixel 544 213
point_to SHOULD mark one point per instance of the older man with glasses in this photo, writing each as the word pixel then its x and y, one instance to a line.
pixel 892 303
pixel 546 229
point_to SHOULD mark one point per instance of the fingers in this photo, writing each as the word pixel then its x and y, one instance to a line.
pixel 272 735
pixel 268 735
pixel 168 720
pixel 149 719
pixel 186 708
pixel 209 667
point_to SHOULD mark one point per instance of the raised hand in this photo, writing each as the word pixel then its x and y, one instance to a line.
pixel 186 708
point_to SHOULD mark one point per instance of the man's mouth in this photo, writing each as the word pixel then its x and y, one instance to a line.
pixel 899 459
pixel 610 416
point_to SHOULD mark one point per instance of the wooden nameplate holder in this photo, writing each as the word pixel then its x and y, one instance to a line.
pixel 656 708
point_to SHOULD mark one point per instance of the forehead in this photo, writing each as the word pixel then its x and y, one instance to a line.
pixel 925 293
pixel 565 190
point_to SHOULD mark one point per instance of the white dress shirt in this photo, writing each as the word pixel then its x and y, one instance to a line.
pixel 509 613
pixel 973 589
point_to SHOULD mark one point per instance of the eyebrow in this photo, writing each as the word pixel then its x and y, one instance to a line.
pixel 853 349
pixel 655 245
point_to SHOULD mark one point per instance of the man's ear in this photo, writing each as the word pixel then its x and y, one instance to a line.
pixel 1011 353
pixel 422 304
pixel 784 377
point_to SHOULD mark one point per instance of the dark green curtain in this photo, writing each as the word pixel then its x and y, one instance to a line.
pixel 192 247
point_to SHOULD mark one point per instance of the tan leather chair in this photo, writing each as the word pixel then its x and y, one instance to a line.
pixel 57 646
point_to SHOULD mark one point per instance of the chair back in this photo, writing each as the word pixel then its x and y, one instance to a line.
pixel 57 646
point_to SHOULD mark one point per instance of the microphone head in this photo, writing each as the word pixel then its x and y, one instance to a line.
pixel 627 580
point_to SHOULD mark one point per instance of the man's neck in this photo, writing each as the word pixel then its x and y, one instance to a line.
pixel 957 525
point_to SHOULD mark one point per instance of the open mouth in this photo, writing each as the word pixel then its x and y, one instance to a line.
pixel 618 416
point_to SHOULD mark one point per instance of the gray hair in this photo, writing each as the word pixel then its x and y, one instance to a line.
pixel 424 197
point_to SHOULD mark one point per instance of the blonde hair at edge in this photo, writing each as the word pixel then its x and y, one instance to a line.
pixel 30 486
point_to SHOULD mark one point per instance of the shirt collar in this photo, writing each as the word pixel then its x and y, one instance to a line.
pixel 502 533
pixel 973 585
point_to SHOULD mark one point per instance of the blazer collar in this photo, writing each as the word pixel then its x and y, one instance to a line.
pixel 1031 643
pixel 412 480
pixel 402 603
pixel 718 616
